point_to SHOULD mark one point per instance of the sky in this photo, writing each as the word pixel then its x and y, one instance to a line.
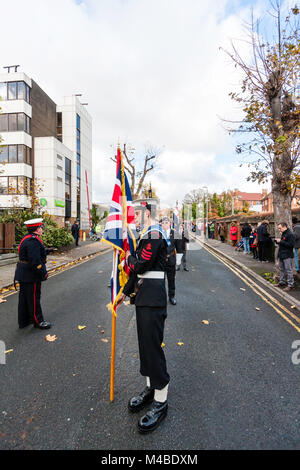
pixel 153 74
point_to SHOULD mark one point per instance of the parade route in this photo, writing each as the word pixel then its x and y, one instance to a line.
pixel 233 383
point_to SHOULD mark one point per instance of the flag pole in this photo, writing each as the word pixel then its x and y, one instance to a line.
pixel 113 348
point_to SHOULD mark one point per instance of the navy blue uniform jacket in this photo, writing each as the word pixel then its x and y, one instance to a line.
pixel 150 255
pixel 34 255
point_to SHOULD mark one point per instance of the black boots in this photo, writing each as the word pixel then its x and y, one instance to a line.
pixel 137 403
pixel 153 417
pixel 43 325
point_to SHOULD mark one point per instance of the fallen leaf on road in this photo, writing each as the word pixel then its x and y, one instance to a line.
pixel 8 351
pixel 257 308
pixel 180 343
pixel 212 291
pixel 293 306
pixel 53 262
pixel 206 322
pixel 81 327
pixel 126 302
pixel 162 345
pixel 100 272
pixel 102 331
pixel 2 300
pixel 241 288
pixel 23 436
pixel 50 338
pixel 105 340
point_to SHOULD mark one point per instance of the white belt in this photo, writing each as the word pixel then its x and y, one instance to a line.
pixel 152 275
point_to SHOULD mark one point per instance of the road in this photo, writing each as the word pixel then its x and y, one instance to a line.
pixel 233 383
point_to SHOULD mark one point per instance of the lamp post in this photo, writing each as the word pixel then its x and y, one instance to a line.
pixel 206 225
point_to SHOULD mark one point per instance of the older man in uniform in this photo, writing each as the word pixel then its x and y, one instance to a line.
pixel 146 286
pixel 30 272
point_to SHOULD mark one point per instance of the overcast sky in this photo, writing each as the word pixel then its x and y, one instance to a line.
pixel 152 73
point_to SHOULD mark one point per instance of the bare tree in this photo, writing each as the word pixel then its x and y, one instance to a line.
pixel 137 176
pixel 271 107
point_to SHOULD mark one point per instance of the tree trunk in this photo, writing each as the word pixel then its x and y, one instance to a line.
pixel 282 213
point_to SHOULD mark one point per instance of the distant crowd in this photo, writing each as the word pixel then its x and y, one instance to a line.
pixel 255 238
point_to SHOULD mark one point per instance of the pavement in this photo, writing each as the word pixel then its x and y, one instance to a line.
pixel 234 383
pixel 249 262
pixel 56 259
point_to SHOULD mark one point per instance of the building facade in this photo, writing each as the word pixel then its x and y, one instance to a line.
pixel 46 148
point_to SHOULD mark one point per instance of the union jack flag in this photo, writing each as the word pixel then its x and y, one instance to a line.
pixel 119 229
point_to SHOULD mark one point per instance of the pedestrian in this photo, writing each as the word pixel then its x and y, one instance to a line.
pixel 212 230
pixel 285 256
pixel 184 239
pixel 208 230
pixel 233 233
pixel 245 234
pixel 264 240
pixel 222 232
pixel 75 231
pixel 253 242
pixel 30 272
pixel 296 227
pixel 146 288
pixel 172 250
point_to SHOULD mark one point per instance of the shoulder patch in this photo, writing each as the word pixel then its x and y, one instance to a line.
pixel 148 247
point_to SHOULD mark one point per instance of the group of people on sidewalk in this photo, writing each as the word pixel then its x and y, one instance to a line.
pixel 257 240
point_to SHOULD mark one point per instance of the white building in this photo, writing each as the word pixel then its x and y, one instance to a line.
pixel 46 144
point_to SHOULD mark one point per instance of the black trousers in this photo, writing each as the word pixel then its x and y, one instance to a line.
pixel 171 273
pixel 262 250
pixel 150 330
pixel 29 307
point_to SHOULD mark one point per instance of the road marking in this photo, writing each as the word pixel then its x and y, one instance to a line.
pixel 247 280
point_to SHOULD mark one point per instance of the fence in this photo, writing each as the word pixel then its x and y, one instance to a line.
pixel 7 237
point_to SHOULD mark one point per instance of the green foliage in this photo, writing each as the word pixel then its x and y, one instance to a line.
pixel 57 237
pixel 52 236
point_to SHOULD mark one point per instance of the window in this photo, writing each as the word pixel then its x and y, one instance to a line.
pixel 3 122
pixel 21 152
pixel 12 184
pixel 3 184
pixel 21 184
pixel 22 91
pixel 59 167
pixel 12 90
pixel 21 122
pixel 12 153
pixel 59 126
pixel 4 154
pixel 28 156
pixel 3 91
pixel 12 122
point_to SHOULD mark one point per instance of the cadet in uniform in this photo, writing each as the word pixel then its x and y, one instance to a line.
pixel 30 272
pixel 183 231
pixel 146 285
pixel 172 251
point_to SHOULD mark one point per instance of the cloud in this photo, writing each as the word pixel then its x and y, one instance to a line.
pixel 151 71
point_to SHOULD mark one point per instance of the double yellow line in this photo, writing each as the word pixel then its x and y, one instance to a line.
pixel 260 291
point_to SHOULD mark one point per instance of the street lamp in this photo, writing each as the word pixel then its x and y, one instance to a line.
pixel 206 188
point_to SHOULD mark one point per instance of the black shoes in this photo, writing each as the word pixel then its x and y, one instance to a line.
pixel 177 268
pixel 153 417
pixel 44 325
pixel 186 269
pixel 173 301
pixel 137 403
